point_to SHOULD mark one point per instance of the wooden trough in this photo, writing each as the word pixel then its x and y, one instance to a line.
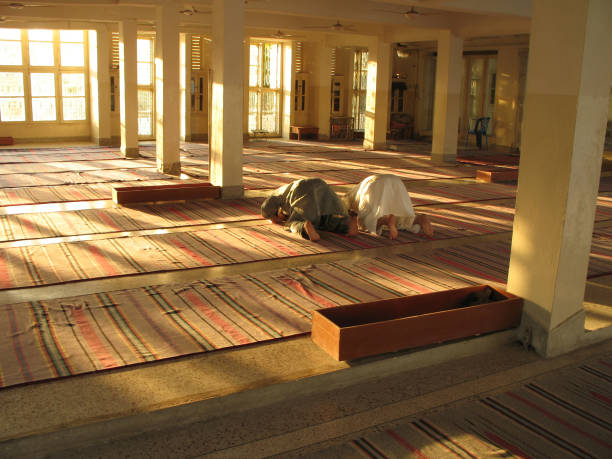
pixel 366 329
pixel 152 193
pixel 495 176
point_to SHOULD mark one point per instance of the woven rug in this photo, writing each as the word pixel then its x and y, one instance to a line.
pixel 72 166
pixel 117 256
pixel 563 414
pixel 66 193
pixel 95 221
pixel 15 227
pixel 491 159
pixel 40 157
pixel 94 176
pixel 344 177
pixel 49 339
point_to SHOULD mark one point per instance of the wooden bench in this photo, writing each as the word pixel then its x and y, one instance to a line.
pixel 153 193
pixel 259 133
pixel 301 131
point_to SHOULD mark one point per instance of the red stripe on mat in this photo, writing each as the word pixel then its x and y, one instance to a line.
pixel 405 444
pixel 93 340
pixel 209 312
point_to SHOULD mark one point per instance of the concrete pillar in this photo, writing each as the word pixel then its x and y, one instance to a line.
pixel 99 85
pixel 322 82
pixel 185 86
pixel 288 78
pixel 377 96
pixel 167 115
pixel 245 92
pixel 507 93
pixel 128 88
pixel 566 105
pixel 227 96
pixel 446 100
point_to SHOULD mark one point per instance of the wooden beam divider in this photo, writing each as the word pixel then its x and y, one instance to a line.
pixel 153 193
pixel 366 329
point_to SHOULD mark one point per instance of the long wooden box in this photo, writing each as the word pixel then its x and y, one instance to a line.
pixel 360 330
pixel 495 176
pixel 151 193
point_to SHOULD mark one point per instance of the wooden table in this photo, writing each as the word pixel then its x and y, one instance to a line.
pixel 301 131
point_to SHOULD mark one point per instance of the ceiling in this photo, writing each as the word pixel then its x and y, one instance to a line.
pixel 392 20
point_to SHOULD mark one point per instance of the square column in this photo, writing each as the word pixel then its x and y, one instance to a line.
pixel 323 89
pixel 185 86
pixel 99 85
pixel 288 78
pixel 377 96
pixel 167 116
pixel 128 88
pixel 446 100
pixel 227 97
pixel 507 96
pixel 566 106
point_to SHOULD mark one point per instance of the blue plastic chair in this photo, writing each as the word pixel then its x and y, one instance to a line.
pixel 480 130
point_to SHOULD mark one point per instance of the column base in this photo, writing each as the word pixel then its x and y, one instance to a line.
pixel 369 145
pixel 103 141
pixel 130 153
pixel 170 169
pixel 551 343
pixel 232 192
pixel 443 158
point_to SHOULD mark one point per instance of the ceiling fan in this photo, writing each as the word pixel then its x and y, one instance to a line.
pixel 191 11
pixel 20 6
pixel 409 14
pixel 412 13
pixel 336 27
pixel 281 35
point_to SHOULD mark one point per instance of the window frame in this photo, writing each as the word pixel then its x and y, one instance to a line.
pixel 260 91
pixel 26 69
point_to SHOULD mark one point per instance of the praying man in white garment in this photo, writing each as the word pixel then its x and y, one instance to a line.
pixel 382 202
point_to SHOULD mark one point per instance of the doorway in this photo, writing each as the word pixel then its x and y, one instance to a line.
pixel 145 47
pixel 478 89
pixel 265 89
pixel 360 86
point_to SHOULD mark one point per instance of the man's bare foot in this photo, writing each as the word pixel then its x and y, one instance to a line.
pixel 425 223
pixel 311 231
pixel 352 231
pixel 392 228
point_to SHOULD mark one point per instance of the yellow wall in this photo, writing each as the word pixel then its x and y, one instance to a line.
pixel 45 131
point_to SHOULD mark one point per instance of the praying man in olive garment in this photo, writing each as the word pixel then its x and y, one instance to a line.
pixel 307 206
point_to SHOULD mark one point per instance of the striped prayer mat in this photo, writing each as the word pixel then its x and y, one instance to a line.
pixel 563 414
pixel 72 166
pixel 49 339
pixel 489 159
pixel 456 193
pixel 343 177
pixel 118 256
pixel 94 176
pixel 94 221
pixel 66 193
pixel 56 150
pixel 24 158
